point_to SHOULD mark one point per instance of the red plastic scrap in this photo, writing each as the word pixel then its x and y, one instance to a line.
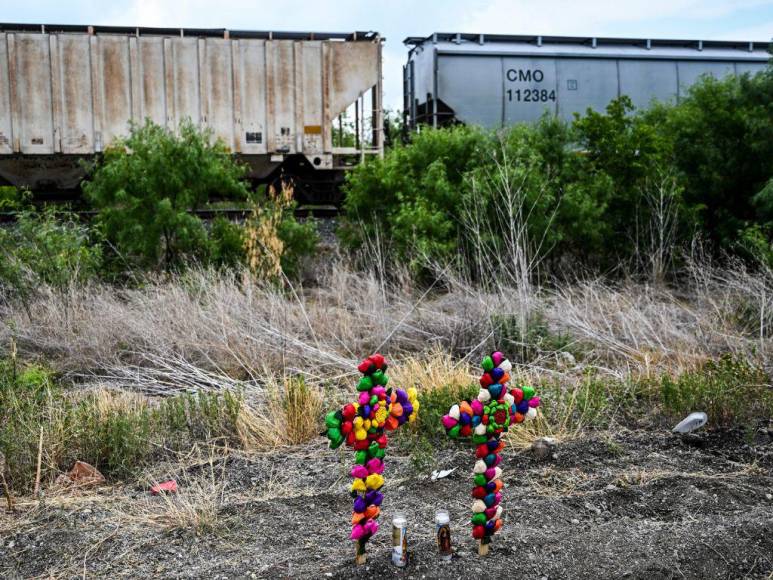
pixel 167 486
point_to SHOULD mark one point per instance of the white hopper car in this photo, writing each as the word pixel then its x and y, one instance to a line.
pixel 66 92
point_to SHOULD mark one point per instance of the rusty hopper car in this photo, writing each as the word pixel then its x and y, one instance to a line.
pixel 498 80
pixel 66 92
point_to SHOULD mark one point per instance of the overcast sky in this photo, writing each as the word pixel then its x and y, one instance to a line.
pixel 694 19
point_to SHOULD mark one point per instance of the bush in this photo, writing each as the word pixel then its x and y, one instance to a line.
pixel 45 248
pixel 226 243
pixel 13 199
pixel 722 147
pixel 147 185
pixel 412 195
pixel 491 200
pixel 729 390
pixel 301 407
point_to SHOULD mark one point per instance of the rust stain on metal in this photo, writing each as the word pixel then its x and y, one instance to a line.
pixel 35 92
pixel 77 129
pixel 115 79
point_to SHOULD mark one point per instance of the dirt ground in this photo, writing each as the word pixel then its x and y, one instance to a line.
pixel 633 504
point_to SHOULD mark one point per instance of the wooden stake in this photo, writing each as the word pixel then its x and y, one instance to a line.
pixel 40 462
pixel 359 555
pixel 482 548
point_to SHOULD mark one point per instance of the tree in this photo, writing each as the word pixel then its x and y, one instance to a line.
pixel 147 185
pixel 723 147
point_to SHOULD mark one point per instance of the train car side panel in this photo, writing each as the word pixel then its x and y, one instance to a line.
pixel 283 88
pixel 691 72
pixel 218 95
pixel 446 73
pixel 77 129
pixel 530 88
pixel 575 90
pixel 312 99
pixel 473 87
pixel 353 72
pixel 186 97
pixel 747 68
pixel 152 85
pixel 33 93
pixel 647 80
pixel 251 66
pixel 114 87
pixel 6 129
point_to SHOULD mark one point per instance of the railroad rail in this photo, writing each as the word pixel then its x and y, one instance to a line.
pixel 233 214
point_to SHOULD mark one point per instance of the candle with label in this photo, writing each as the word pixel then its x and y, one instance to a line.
pixel 399 540
pixel 443 534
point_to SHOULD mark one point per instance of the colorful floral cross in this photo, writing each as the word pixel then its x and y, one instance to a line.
pixel 486 419
pixel 362 425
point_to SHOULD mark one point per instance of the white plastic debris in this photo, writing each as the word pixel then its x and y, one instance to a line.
pixel 442 473
pixel 692 422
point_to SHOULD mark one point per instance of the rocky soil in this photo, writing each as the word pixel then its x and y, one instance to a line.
pixel 631 504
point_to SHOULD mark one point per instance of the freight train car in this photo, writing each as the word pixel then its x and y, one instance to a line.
pixel 498 80
pixel 66 92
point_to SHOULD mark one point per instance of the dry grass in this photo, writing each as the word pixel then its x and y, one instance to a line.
pixel 431 371
pixel 232 327
pixel 208 331
pixel 290 415
pixel 567 409
pixel 195 508
pixel 644 329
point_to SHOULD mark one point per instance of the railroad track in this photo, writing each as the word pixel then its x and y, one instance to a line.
pixel 234 214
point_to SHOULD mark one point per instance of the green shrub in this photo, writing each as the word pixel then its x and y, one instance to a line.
pixel 421 438
pixel 299 239
pixel 45 248
pixel 412 195
pixel 722 147
pixel 226 243
pixel 729 390
pixel 13 198
pixel 199 417
pixel 147 185
pixel 481 198
pixel 434 403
